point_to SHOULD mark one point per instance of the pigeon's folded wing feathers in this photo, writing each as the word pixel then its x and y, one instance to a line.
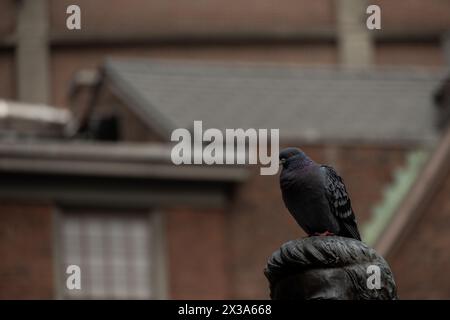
pixel 339 201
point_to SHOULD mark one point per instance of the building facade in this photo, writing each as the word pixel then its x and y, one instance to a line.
pixel 102 193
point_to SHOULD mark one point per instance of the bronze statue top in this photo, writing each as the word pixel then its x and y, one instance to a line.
pixel 329 267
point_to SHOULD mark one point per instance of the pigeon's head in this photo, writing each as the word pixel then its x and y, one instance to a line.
pixel 292 155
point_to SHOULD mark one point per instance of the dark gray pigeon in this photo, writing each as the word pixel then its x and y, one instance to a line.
pixel 316 197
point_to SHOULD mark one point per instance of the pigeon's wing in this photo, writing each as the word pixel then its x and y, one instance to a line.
pixel 339 202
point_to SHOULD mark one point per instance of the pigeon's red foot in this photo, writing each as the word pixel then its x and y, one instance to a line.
pixel 323 234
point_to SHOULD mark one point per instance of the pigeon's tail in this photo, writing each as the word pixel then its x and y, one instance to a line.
pixel 350 230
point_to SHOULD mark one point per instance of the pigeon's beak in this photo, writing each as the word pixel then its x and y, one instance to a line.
pixel 282 161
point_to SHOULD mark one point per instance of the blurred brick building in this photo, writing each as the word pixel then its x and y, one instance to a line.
pixel 102 193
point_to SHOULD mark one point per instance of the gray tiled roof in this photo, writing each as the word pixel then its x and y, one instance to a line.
pixel 309 103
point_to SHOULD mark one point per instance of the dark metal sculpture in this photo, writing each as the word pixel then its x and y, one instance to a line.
pixel 328 267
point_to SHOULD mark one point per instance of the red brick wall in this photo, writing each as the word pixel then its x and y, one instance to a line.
pixel 421 264
pixel 409 54
pixel 412 18
pixel 197 253
pixel 259 223
pixel 281 16
pixel 414 15
pixel 187 17
pixel 26 267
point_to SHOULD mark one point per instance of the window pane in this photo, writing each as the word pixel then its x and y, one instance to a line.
pixel 112 250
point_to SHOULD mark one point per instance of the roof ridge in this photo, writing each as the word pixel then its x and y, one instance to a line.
pixel 287 67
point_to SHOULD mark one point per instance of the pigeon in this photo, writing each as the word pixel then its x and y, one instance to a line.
pixel 316 196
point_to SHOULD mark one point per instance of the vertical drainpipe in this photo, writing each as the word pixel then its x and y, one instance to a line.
pixel 356 48
pixel 32 51
pixel 446 49
pixel 442 94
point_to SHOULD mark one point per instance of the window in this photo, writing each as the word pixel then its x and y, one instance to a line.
pixel 114 250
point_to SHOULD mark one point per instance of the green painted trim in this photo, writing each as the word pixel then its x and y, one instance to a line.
pixel 394 193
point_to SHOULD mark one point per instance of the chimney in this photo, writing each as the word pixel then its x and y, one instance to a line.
pixel 32 52
pixel 355 42
pixel 446 48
